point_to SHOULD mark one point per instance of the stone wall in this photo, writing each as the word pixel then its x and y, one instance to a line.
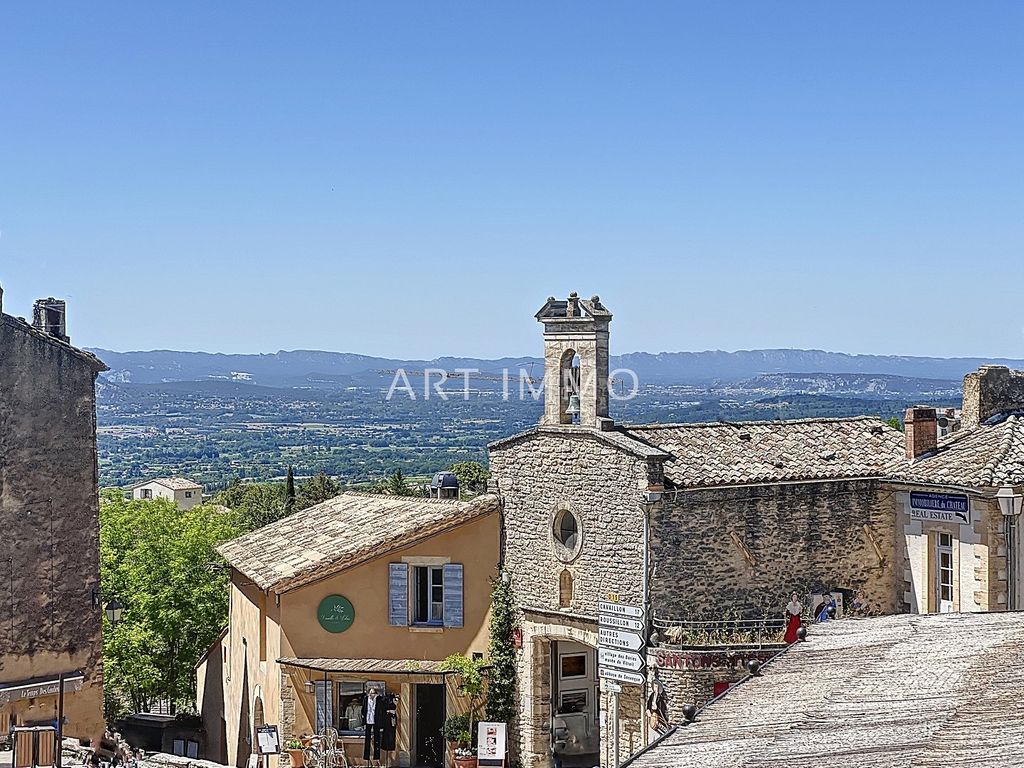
pixel 689 676
pixel 720 552
pixel 49 513
pixel 989 390
pixel 543 473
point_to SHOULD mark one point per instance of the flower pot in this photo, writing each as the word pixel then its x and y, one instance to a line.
pixel 296 758
pixel 465 762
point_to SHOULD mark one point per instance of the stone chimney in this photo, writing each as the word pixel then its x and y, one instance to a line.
pixel 921 431
pixel 990 390
pixel 50 316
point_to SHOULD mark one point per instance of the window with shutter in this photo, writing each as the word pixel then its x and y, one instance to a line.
pixel 324 704
pixel 398 595
pixel 453 609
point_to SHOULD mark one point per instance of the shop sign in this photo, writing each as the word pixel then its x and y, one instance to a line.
pixel 940 507
pixel 268 742
pixel 32 689
pixel 490 744
pixel 335 613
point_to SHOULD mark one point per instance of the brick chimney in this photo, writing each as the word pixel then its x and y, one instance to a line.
pixel 990 390
pixel 50 316
pixel 921 431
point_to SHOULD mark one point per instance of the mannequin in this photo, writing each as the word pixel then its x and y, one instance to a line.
pixel 373 719
pixel 390 736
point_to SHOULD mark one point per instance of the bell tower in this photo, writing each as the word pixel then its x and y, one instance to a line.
pixel 575 361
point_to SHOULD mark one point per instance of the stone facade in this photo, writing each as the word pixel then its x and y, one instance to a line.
pixel 743 550
pixel 989 390
pixel 539 475
pixel 49 512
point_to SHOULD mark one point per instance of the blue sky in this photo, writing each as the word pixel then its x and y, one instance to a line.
pixel 413 179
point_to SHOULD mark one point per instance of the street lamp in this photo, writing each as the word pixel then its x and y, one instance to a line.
pixel 1010 501
pixel 113 610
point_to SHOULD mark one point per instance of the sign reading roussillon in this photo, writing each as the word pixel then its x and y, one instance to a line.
pixel 335 613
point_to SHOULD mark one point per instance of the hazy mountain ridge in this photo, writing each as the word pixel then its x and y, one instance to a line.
pixel 312 367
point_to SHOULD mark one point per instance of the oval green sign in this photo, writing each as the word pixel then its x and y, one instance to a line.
pixel 335 613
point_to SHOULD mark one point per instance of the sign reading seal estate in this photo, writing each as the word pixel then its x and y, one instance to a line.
pixel 940 507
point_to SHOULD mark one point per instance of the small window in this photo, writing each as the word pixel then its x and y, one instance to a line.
pixel 350 707
pixel 178 747
pixel 566 534
pixel 570 702
pixel 573 665
pixel 429 595
pixel 147 493
pixel 565 589
pixel 192 750
pixel 188 494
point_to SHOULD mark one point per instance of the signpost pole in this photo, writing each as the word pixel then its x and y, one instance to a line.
pixel 60 719
pixel 615 729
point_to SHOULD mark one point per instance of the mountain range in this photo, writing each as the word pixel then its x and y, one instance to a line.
pixel 319 369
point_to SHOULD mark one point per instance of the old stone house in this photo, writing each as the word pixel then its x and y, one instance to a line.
pixel 359 591
pixel 49 513
pixel 688 521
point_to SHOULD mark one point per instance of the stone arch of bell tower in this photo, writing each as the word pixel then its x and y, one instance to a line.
pixel 575 327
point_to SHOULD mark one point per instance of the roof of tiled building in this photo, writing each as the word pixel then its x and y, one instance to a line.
pixel 173 483
pixel 737 453
pixel 343 532
pixel 991 454
pixel 911 690
pixel 616 438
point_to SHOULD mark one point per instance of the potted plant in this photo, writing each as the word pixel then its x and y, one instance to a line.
pixel 454 728
pixel 464 756
pixel 295 754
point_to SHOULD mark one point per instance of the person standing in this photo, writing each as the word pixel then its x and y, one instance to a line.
pixel 793 611
pixel 373 719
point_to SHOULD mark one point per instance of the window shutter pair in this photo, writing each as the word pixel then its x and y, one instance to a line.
pixel 398 595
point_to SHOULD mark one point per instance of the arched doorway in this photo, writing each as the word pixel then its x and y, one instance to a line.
pixel 570 688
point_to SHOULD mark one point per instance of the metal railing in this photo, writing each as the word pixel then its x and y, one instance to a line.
pixel 719 633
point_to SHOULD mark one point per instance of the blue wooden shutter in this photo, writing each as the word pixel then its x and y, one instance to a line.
pixel 453 596
pixel 324 705
pixel 398 594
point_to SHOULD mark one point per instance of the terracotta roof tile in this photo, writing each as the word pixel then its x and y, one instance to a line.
pixel 989 455
pixel 343 532
pixel 739 453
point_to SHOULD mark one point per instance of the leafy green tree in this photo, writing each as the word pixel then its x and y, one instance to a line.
pixel 159 561
pixel 254 504
pixel 501 678
pixel 472 476
pixel 895 423
pixel 316 489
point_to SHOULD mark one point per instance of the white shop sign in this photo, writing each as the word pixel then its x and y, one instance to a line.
pixel 940 507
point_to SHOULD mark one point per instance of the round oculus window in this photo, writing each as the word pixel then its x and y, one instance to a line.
pixel 567 535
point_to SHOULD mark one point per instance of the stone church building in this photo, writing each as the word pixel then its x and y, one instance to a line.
pixel 688 520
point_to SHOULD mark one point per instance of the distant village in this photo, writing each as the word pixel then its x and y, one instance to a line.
pixel 593 593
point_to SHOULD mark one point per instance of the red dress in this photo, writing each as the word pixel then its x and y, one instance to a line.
pixel 792 625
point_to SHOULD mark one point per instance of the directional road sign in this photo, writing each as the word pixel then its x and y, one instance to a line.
pixel 609 673
pixel 608 657
pixel 617 638
pixel 620 609
pixel 621 622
